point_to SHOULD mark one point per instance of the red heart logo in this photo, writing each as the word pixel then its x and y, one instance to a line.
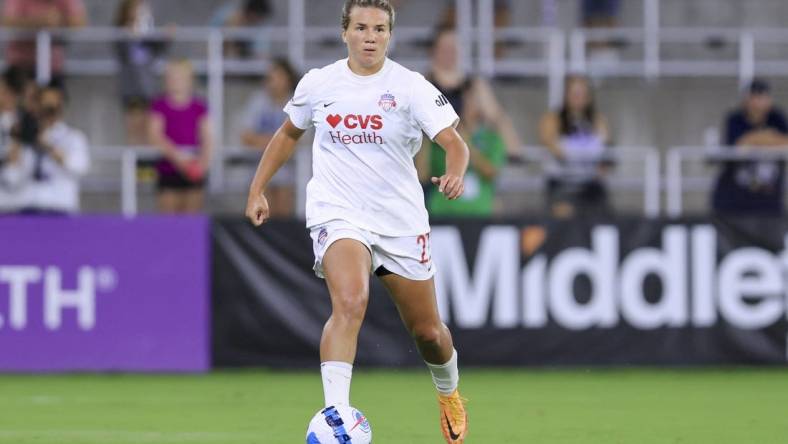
pixel 333 120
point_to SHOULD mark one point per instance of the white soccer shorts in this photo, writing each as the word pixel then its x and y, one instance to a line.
pixel 406 256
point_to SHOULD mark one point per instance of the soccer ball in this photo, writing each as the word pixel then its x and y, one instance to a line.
pixel 339 425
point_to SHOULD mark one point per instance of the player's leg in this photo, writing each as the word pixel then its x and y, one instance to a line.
pixel 418 308
pixel 346 264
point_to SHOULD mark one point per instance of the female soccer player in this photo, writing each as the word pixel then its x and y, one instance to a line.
pixel 365 207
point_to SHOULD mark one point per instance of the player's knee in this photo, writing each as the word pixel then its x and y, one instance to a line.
pixel 427 334
pixel 350 305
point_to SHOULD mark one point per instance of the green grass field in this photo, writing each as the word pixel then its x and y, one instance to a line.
pixel 518 406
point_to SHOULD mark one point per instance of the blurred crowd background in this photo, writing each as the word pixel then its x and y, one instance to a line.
pixel 572 108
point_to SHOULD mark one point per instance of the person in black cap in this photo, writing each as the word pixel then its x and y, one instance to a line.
pixel 753 187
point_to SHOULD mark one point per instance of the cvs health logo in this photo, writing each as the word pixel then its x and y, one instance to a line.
pixel 354 121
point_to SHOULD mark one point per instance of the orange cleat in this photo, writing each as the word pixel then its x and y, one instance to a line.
pixel 454 418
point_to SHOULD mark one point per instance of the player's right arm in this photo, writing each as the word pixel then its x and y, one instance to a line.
pixel 281 147
pixel 278 151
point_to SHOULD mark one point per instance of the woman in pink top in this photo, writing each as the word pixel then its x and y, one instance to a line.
pixel 180 128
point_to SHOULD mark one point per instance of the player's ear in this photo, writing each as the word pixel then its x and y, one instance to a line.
pixel 344 36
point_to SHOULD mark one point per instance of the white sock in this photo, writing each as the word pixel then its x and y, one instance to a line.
pixel 336 382
pixel 445 376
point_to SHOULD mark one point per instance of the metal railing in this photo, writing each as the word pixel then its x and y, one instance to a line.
pixel 634 168
pixel 645 178
pixel 678 183
pixel 129 159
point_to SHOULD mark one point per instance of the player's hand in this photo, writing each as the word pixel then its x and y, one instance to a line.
pixel 450 185
pixel 257 209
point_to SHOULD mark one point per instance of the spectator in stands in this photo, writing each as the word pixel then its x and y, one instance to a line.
pixel 47 157
pixel 483 122
pixel 180 128
pixel 576 136
pixel 755 187
pixel 262 118
pixel 36 15
pixel 12 84
pixel 601 14
pixel 137 57
pixel 249 13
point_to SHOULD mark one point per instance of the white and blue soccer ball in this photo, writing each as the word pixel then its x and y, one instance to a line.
pixel 339 425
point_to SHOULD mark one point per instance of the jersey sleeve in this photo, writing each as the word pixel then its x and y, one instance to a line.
pixel 430 108
pixel 299 108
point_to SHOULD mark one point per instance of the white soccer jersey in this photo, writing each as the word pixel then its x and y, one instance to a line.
pixel 367 130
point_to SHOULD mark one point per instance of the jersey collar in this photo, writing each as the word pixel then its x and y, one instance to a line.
pixel 365 79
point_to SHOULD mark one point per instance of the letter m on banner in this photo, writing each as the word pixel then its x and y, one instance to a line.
pixel 466 298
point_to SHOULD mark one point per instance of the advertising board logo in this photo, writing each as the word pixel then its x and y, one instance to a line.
pixel 682 283
pixel 24 282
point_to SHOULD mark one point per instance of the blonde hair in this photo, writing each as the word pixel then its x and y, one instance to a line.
pixel 181 63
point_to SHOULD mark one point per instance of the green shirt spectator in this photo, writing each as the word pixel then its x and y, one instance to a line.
pixel 479 196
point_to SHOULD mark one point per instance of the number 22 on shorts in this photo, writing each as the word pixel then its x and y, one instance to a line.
pixel 426 252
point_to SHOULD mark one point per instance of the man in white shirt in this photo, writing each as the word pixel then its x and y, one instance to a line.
pixel 46 163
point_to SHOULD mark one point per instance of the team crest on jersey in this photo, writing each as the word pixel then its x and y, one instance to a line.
pixel 321 238
pixel 387 102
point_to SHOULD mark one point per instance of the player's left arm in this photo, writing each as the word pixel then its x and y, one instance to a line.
pixel 457 155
